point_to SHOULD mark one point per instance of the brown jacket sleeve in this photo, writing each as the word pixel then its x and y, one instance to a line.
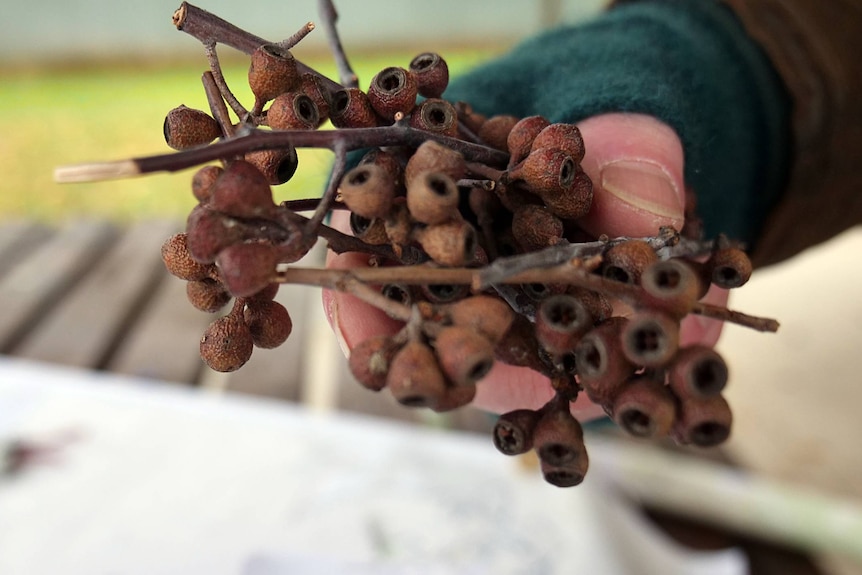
pixel 816 47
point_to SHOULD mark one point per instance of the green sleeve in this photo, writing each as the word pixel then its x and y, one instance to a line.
pixel 687 62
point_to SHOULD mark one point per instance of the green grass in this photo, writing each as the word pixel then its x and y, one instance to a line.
pixel 53 118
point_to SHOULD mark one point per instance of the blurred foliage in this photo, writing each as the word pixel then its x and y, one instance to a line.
pixel 54 117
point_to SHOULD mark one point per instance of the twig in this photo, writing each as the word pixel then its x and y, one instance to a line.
pixel 216 104
pixel 737 317
pixel 209 28
pixel 331 188
pixel 254 139
pixel 215 66
pixel 329 16
pixel 295 39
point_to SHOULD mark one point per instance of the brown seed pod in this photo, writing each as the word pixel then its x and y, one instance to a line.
pixel 470 118
pixel 513 432
pixel 272 72
pixel 626 261
pixel 702 422
pixel 226 345
pixel 208 232
pixel 437 116
pixel 370 360
pixel 207 295
pixel 277 166
pixel 247 268
pixel 368 190
pixel 519 347
pixel 312 86
pixel 433 156
pixel 561 321
pixel 392 91
pixel 389 161
pixel 602 365
pixel 546 171
pixel 268 321
pixel 203 180
pixel 179 261
pixel 495 130
pixel 454 397
pixel 644 408
pixel 242 191
pixel 536 228
pixel 451 243
pixel 464 355
pixel 559 442
pixel 431 73
pixel 414 378
pixel 370 231
pixel 186 128
pixel 597 304
pixel 398 226
pixel 650 338
pixel 566 137
pixel 671 286
pixel 350 108
pixel 293 111
pixel 488 315
pixel 432 198
pixel 697 371
pixel 520 139
pixel 729 268
pixel 575 203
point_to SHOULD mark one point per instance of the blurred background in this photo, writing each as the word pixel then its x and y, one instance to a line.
pixel 93 80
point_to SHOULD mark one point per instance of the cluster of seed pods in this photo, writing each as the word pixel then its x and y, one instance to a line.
pixel 429 204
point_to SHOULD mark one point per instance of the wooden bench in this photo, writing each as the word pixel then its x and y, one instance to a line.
pixel 95 295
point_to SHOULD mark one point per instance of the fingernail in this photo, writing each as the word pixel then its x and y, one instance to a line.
pixel 644 186
pixel 331 307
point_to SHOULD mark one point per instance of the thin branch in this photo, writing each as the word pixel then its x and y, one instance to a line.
pixel 209 28
pixel 254 139
pixel 572 274
pixel 216 104
pixel 328 198
pixel 329 16
pixel 215 66
pixel 297 37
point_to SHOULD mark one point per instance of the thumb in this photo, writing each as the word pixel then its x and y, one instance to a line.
pixel 636 165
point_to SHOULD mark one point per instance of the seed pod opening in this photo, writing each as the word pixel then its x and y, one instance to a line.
pixel 431 73
pixel 561 321
pixel 513 432
pixel 697 371
pixel 368 190
pixel 650 338
pixel 350 108
pixel 277 166
pixel 370 231
pixel 644 408
pixel 392 91
pixel 414 378
pixel 729 268
pixel 432 198
pixel 312 86
pixel 672 286
pixel 626 261
pixel 703 422
pixel 293 111
pixel 464 355
pixel 437 116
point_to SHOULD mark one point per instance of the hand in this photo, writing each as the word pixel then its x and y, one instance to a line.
pixel 636 165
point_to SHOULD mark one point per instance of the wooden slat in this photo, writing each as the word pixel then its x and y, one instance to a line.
pixel 84 328
pixel 17 239
pixel 163 344
pixel 32 287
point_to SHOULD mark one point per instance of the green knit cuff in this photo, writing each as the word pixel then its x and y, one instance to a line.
pixel 686 62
